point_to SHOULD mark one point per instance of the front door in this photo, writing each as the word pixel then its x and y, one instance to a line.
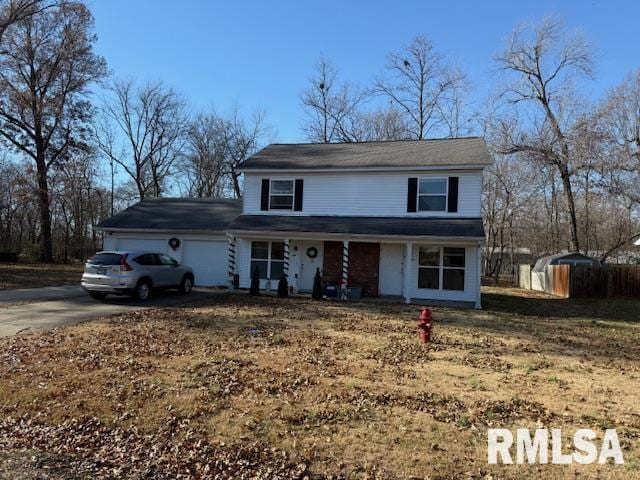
pixel 391 268
pixel 311 254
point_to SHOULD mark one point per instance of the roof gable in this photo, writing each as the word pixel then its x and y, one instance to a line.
pixel 456 152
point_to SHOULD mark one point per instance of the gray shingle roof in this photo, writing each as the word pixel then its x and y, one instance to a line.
pixel 410 227
pixel 177 214
pixel 402 153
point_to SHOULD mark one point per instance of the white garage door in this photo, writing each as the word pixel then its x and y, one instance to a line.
pixel 154 245
pixel 208 258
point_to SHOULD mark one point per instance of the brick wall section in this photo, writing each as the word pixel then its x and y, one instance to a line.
pixel 332 263
pixel 364 267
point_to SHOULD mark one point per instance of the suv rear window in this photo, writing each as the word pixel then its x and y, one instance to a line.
pixel 105 259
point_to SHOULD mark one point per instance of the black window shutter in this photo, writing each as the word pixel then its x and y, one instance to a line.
pixel 412 194
pixel 264 199
pixel 297 201
pixel 452 201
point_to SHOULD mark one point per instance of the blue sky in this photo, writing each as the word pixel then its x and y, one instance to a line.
pixel 260 54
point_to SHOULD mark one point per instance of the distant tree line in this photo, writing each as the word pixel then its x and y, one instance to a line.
pixel 79 144
pixel 66 149
pixel 567 168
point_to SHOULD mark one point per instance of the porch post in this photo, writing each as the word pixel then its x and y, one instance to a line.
pixel 285 264
pixel 345 267
pixel 478 305
pixel 407 272
pixel 231 258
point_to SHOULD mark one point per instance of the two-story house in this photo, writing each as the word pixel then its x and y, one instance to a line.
pixel 398 218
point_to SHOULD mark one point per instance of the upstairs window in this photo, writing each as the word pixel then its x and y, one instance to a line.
pixel 432 195
pixel 281 195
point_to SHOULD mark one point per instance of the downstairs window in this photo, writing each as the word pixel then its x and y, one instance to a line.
pixel 268 258
pixel 441 268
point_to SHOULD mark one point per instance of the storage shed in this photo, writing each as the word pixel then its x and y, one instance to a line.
pixel 569 258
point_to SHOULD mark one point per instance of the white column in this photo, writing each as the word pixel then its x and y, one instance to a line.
pixel 345 268
pixel 406 287
pixel 478 305
pixel 231 258
pixel 285 264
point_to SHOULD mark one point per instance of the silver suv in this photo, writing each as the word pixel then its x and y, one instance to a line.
pixel 134 273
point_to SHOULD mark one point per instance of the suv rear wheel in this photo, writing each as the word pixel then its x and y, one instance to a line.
pixel 143 290
pixel 187 284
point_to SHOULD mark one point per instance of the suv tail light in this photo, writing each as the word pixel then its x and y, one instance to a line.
pixel 124 266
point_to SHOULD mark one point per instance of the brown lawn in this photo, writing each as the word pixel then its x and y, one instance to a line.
pixel 240 387
pixel 34 275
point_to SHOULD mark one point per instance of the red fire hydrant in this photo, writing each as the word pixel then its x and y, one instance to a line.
pixel 425 325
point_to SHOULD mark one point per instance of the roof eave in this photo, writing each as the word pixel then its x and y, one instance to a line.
pixel 161 230
pixel 315 235
pixel 414 168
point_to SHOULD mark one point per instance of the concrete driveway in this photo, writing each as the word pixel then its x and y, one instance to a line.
pixel 46 308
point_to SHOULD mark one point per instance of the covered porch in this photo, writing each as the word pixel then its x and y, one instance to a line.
pixel 409 270
pixel 409 257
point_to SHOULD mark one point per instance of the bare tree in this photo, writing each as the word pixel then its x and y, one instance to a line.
pixel 330 106
pixel 15 11
pixel 79 202
pixel 45 69
pixel 377 125
pixel 543 62
pixel 243 139
pixel 619 119
pixel 203 166
pixel 420 84
pixel 143 129
pixel 454 107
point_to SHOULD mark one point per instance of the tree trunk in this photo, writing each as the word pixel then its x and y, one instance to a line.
pixel 46 246
pixel 566 183
pixel 236 184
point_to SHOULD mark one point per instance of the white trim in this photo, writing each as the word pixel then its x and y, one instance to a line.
pixel 176 231
pixel 414 168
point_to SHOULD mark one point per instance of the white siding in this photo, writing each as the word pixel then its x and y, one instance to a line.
pixel 365 194
pixel 108 242
pixel 145 242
